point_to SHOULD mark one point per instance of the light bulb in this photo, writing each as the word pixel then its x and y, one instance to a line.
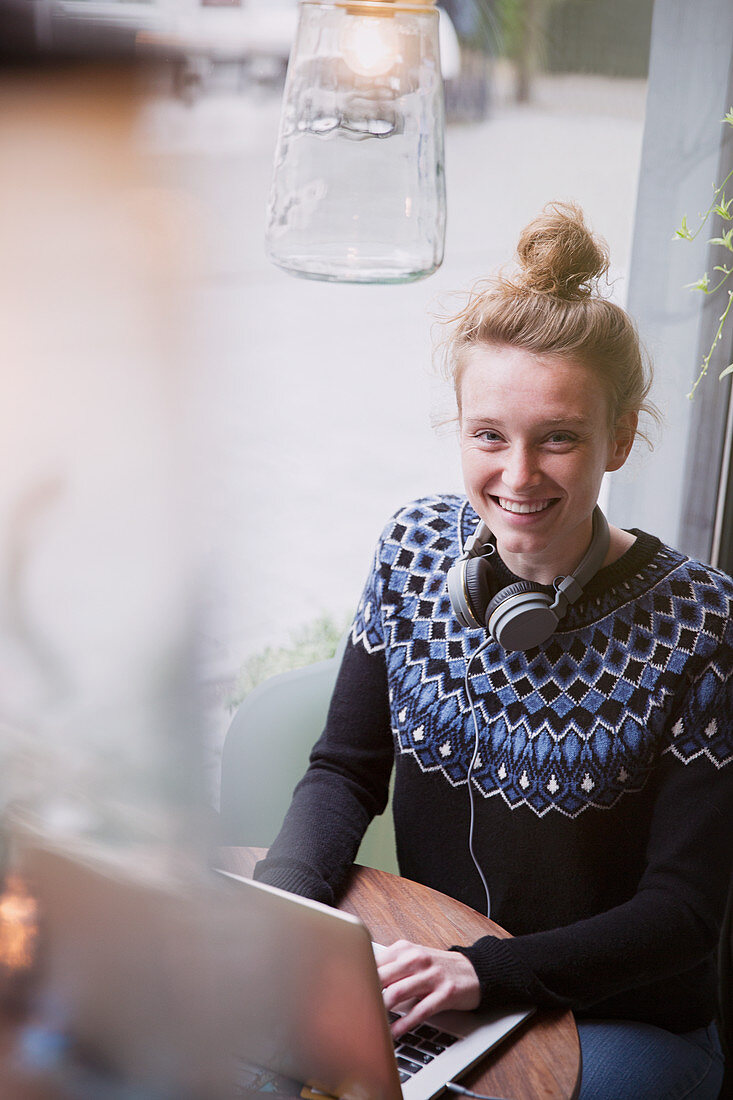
pixel 369 44
pixel 358 192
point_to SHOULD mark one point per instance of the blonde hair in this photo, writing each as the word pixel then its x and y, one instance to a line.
pixel 553 306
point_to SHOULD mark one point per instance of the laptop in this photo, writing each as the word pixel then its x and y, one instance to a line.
pixel 314 1010
pixel 170 986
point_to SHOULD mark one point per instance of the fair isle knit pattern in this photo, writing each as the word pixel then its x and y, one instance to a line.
pixel 604 785
pixel 576 723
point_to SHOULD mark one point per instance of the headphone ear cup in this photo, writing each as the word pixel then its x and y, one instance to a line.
pixel 520 616
pixel 516 589
pixel 479 584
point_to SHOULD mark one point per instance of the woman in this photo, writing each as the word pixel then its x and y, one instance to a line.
pixel 580 785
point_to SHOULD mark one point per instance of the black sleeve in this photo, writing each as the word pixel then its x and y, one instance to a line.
pixel 345 786
pixel 673 920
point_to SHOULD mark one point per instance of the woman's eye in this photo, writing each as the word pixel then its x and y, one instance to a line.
pixel 560 438
pixel 488 436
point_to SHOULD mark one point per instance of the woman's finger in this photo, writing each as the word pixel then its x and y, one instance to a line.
pixel 433 980
pixel 420 1012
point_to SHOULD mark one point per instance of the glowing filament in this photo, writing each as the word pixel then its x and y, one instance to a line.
pixel 18 925
pixel 369 45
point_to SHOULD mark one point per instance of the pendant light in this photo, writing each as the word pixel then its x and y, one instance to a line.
pixel 358 191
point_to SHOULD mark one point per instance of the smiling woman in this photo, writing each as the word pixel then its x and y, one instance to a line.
pixel 577 782
pixel 535 446
pixel 550 380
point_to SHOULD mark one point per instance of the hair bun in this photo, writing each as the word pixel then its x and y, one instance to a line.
pixel 559 255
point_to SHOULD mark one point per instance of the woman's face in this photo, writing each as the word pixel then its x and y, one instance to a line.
pixel 535 444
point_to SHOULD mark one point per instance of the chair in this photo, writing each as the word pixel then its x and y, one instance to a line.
pixel 725 997
pixel 266 752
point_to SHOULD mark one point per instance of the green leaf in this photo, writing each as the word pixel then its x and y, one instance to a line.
pixel 728 370
pixel 729 117
pixel 722 208
pixel 683 232
pixel 701 284
pixel 725 240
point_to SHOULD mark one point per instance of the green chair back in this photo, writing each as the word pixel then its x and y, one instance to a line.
pixel 266 752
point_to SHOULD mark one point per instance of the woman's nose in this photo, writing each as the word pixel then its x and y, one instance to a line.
pixel 520 469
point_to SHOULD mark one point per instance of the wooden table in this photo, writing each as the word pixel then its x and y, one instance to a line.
pixel 540 1061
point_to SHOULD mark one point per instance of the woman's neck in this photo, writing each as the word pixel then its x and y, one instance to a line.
pixel 531 568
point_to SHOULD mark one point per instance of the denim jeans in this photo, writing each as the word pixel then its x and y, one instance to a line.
pixel 625 1060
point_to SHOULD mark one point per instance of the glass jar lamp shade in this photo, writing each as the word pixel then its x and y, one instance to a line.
pixel 358 190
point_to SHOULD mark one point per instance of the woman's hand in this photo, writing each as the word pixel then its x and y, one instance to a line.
pixel 422 981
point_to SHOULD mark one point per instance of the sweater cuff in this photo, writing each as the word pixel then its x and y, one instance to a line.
pixel 503 978
pixel 296 878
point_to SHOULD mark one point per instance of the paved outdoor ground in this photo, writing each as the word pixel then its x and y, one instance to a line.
pixel 317 399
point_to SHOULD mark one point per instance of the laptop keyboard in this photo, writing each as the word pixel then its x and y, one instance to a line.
pixel 416 1049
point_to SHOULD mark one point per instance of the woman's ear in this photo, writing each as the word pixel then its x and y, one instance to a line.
pixel 622 440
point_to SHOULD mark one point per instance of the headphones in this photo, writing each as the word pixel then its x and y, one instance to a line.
pixel 521 615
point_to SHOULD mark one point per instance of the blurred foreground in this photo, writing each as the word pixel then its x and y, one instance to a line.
pixel 199 453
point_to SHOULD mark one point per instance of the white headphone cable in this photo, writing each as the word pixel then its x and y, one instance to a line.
pixel 471 766
pixel 459 1089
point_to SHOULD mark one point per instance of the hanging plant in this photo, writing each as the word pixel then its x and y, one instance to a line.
pixel 722 208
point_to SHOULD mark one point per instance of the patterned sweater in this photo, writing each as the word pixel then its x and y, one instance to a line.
pixel 603 787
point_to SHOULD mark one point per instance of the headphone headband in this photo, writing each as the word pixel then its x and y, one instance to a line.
pixel 478 541
pixel 570 588
pixel 522 615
